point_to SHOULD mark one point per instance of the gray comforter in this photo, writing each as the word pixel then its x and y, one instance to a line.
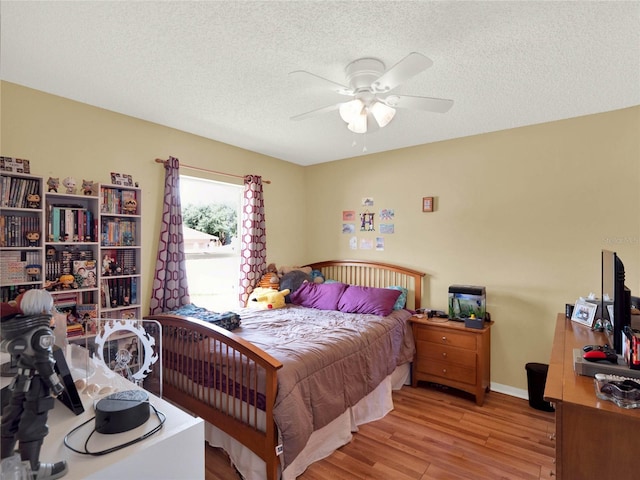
pixel 331 360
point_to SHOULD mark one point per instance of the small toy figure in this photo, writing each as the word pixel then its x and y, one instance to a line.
pixel 70 184
pixel 87 187
pixel 33 200
pixel 51 253
pixel 28 337
pixel 130 206
pixel 67 281
pixel 32 238
pixel 53 184
pixel 33 272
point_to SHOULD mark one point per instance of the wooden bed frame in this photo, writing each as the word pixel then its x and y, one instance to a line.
pixel 239 419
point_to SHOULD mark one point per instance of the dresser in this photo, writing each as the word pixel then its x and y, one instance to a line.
pixel 448 353
pixel 595 439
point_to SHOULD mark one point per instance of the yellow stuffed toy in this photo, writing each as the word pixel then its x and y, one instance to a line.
pixel 271 300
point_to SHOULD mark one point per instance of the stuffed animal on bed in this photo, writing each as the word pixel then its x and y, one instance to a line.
pixel 271 300
pixel 271 278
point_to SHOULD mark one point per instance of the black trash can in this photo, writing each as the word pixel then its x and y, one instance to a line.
pixel 536 380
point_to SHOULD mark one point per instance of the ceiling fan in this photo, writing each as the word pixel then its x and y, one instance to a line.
pixel 372 105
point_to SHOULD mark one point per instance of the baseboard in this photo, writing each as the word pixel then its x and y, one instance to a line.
pixel 508 390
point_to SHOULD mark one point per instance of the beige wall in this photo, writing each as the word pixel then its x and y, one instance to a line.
pixel 524 212
pixel 64 138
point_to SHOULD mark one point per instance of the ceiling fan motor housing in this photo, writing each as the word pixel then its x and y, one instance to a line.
pixel 363 72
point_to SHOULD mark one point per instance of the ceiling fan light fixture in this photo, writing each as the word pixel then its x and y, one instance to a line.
pixel 382 113
pixel 349 111
pixel 359 123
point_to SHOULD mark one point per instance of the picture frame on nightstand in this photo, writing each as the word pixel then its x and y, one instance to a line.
pixel 584 313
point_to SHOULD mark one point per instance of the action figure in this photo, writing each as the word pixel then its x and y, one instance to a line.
pixel 28 337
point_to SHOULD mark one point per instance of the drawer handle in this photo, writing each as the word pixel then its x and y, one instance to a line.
pixel 444 354
pixel 444 339
pixel 444 370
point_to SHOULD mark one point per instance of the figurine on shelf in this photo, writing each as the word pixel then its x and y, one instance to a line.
pixel 70 184
pixel 33 272
pixel 33 200
pixel 67 281
pixel 87 187
pixel 53 183
pixel 28 337
pixel 51 253
pixel 130 206
pixel 32 238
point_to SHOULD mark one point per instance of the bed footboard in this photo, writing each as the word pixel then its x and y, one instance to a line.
pixel 223 379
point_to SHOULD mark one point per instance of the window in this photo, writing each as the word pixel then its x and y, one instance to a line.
pixel 211 226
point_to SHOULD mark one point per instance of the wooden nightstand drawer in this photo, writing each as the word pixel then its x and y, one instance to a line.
pixel 429 352
pixel 447 337
pixel 450 354
pixel 449 371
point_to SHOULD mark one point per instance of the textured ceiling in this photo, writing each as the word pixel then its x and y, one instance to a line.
pixel 221 69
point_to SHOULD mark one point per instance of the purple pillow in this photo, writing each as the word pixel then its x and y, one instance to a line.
pixel 323 296
pixel 378 301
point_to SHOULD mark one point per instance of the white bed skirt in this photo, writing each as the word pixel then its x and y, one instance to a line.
pixel 323 442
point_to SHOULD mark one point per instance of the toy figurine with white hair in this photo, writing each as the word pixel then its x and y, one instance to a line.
pixel 28 337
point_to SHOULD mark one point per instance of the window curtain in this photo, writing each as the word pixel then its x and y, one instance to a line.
pixel 170 289
pixel 253 253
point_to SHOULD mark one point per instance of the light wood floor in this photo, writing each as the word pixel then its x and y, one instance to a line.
pixel 436 433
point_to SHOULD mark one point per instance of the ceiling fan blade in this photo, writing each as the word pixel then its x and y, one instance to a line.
pixel 408 67
pixel 335 86
pixel 317 111
pixel 440 105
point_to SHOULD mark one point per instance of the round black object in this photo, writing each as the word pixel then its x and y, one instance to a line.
pixel 536 380
pixel 122 411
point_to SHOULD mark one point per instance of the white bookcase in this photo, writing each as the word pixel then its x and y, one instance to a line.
pixel 120 228
pixel 72 258
pixel 21 238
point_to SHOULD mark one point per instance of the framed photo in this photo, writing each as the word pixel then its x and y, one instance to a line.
pixel 121 179
pixel 427 204
pixel 16 165
pixel 584 313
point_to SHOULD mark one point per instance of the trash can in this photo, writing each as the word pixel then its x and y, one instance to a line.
pixel 536 380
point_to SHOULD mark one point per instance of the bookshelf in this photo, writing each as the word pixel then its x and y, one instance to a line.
pixel 71 259
pixel 120 230
pixel 21 239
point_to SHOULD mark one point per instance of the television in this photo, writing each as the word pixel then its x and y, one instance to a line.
pixel 616 299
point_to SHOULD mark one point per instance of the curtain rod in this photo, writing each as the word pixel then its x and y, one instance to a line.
pixel 182 165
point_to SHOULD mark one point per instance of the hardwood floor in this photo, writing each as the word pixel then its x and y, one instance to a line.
pixel 436 433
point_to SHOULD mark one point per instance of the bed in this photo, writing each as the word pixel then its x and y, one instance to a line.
pixel 254 385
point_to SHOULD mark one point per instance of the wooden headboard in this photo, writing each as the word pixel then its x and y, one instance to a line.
pixel 374 274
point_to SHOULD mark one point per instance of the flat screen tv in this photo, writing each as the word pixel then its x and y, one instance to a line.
pixel 616 299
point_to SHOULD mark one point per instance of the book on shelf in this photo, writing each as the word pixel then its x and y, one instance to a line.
pixel 74 330
pixel 87 315
pixel 14 228
pixel 70 223
pixel 15 191
pixel 117 232
pixel 85 272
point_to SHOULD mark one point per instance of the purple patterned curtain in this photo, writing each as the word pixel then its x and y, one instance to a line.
pixel 170 289
pixel 253 253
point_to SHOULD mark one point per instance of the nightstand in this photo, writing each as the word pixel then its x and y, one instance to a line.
pixel 448 353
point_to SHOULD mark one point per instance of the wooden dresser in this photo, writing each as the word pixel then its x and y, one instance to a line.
pixel 595 439
pixel 450 354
